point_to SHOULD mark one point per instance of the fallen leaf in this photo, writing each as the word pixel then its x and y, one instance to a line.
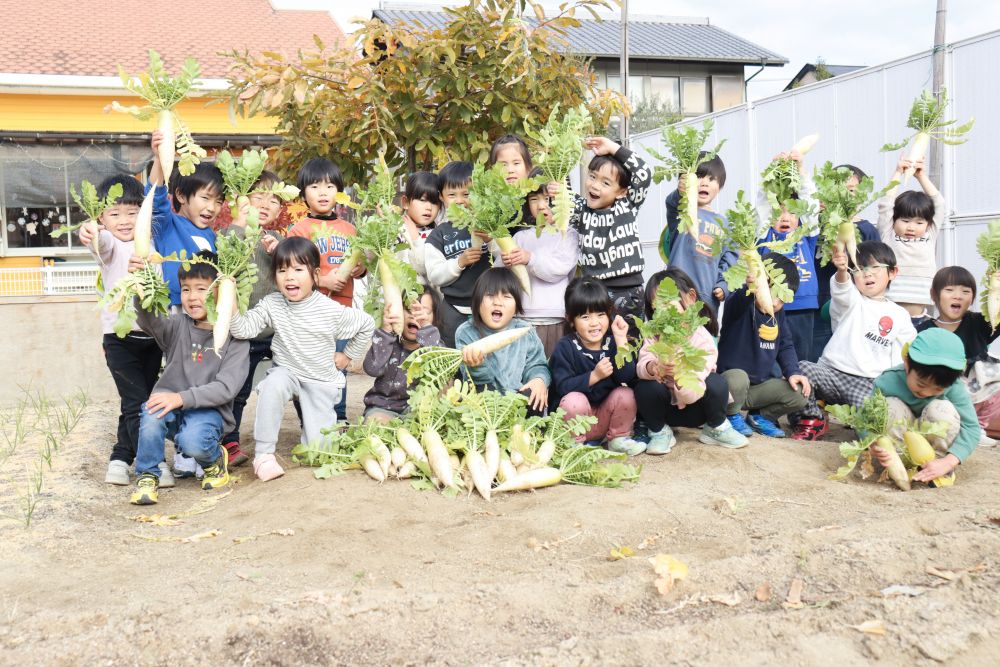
pixel 250 538
pixel 202 536
pixel 947 575
pixel 648 541
pixel 898 589
pixel 763 593
pixel 730 600
pixel 833 526
pixel 619 552
pixel 670 570
pixel 872 627
pixel 158 519
pixel 867 467
pixel 794 598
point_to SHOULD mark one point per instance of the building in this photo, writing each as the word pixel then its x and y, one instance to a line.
pixel 686 64
pixel 811 73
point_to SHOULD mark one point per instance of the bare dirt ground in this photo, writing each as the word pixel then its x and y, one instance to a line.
pixel 342 571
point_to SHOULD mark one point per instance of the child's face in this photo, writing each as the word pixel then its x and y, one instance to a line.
pixel 910 228
pixel 922 387
pixel 194 291
pixel 295 281
pixel 852 183
pixel 410 324
pixel 602 187
pixel 591 327
pixel 420 211
pixel 268 205
pixel 201 208
pixel 708 190
pixel 510 157
pixel 320 197
pixel 786 223
pixel 120 220
pixel 687 300
pixel 954 301
pixel 538 204
pixel 497 310
pixel 873 279
pixel 452 194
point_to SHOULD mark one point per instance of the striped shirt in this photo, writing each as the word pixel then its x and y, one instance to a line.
pixel 306 333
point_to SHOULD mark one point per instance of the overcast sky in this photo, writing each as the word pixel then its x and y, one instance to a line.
pixel 842 32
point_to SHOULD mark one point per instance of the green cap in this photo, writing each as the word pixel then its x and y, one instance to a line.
pixel 938 347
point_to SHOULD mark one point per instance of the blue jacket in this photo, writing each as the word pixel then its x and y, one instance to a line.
pixel 173 233
pixel 747 344
pixel 571 365
pixel 804 256
pixel 695 258
pixel 511 367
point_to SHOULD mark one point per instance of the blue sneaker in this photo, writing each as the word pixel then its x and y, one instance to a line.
pixel 764 426
pixel 640 432
pixel 740 425
pixel 661 442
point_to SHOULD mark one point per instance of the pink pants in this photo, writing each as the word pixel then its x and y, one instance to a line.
pixel 988 409
pixel 615 416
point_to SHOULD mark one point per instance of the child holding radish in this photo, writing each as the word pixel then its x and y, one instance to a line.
pixel 520 366
pixel 387 399
pixel 308 366
pixel 585 380
pixel 662 402
pixel 869 332
pixel 192 403
pixel 512 152
pixel 909 224
pixel 421 206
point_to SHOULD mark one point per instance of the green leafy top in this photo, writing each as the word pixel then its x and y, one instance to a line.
pixel 162 91
pixel 685 146
pixel 594 466
pixel 380 191
pixel 840 204
pixel 560 142
pixel 988 245
pixel 781 182
pixel 494 204
pixel 927 116
pixel 871 420
pixel 90 204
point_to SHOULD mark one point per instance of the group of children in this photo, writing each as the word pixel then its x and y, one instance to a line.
pixel 587 291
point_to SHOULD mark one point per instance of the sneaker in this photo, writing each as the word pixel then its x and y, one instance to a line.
pixel 810 429
pixel 145 490
pixel 217 473
pixel 661 442
pixel 166 477
pixel 236 455
pixel 626 445
pixel 640 432
pixel 266 467
pixel 736 421
pixel 117 473
pixel 723 435
pixel 986 441
pixel 184 466
pixel 593 443
pixel 764 426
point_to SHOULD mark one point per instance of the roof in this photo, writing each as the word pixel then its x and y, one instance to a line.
pixel 92 37
pixel 649 38
pixel 835 70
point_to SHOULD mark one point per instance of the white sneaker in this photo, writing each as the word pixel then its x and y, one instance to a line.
pixel 184 466
pixel 985 440
pixel 117 473
pixel 166 477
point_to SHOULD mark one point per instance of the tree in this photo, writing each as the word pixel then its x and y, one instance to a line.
pixel 419 95
pixel 653 113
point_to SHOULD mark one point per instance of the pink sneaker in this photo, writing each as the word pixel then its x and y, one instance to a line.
pixel 266 467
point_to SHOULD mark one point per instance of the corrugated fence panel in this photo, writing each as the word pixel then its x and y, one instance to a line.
pixel 976 88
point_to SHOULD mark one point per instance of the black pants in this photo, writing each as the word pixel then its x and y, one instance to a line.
pixel 134 362
pixel 654 405
pixel 448 321
pixel 630 303
pixel 259 350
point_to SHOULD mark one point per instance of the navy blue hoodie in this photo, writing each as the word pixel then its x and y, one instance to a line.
pixel 744 345
pixel 571 364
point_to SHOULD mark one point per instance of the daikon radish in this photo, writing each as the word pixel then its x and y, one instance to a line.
pixel 507 244
pixel 691 213
pixel 805 144
pixel 993 301
pixel 532 479
pixel 918 151
pixel 506 470
pixel 516 459
pixel 895 467
pixel 351 261
pixel 480 472
pixel 225 305
pixel 144 226
pixel 381 453
pixel 392 295
pixel 371 466
pixel 492 453
pixel 406 470
pixel 168 146
pixel 988 245
pixel 927 118
pixel 410 445
pixel 919 449
pixel 438 458
pixel 545 452
pixel 847 240
pixel 398 456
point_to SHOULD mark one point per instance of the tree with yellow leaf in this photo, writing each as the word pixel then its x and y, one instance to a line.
pixel 422 95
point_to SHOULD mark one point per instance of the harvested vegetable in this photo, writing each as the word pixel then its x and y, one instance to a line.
pixel 781 183
pixel 988 245
pixel 871 423
pixel 593 466
pixel 148 285
pixel 437 366
pixel 840 206
pixel 927 119
pixel 536 478
pixel 919 449
pixel 92 207
pixel 805 144
pixel 560 149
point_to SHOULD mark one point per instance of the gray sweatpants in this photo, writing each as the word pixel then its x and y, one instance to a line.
pixel 317 400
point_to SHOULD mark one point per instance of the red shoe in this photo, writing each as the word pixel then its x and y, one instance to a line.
pixel 236 455
pixel 810 429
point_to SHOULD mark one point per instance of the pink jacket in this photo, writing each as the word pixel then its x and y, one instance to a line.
pixel 682 397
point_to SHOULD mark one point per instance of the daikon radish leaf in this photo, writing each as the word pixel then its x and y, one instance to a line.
pixel 927 117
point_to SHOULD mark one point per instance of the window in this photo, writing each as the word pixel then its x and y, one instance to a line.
pixel 615 82
pixel 694 96
pixel 727 91
pixel 665 90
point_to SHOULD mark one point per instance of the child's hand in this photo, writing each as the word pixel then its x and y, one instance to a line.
pixel 162 403
pixel 389 319
pixel 155 140
pixel 341 360
pixel 619 329
pixel 516 256
pixel 538 393
pixel 800 381
pixel 554 188
pixel 604 369
pixel 472 357
pixel 880 455
pixel 331 282
pixel 424 317
pixel 718 294
pixel 839 258
pixel 269 243
pixel 663 372
pixel 470 257
pixel 936 468
pixel 903 164
pixel 918 167
pixel 358 271
pixel 135 263
pixel 241 213
pixel 156 174
pixel 85 232
pixel 601 145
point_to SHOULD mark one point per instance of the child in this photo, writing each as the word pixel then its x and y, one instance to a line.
pixel 662 403
pixel 134 361
pixel 700 258
pixel 387 399
pixel 307 365
pixel 421 205
pixel 750 344
pixel 512 152
pixel 954 291
pixel 521 366
pixel 551 262
pixel 911 232
pixel 585 380
pixel 192 403
pixel 822 329
pixel 607 219
pixel 869 332
pixel 187 223
pixel 928 386
pixel 454 261
pixel 319 182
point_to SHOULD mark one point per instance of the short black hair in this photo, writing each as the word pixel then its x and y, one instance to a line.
pixel 319 170
pixel 498 280
pixel 206 176
pixel 876 252
pixel 131 189
pixel 714 168
pixel 787 267
pixel 587 295
pixel 199 270
pixel 297 249
pixel 423 185
pixel 684 285
pixel 621 173
pixel 952 276
pixel 942 376
pixel 266 180
pixel 913 204
pixel 857 171
pixel 455 174
pixel 508 140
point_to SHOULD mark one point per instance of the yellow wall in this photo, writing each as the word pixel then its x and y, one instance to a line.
pixel 85 113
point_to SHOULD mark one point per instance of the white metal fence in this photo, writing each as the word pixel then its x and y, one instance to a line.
pixel 49 280
pixel 855 114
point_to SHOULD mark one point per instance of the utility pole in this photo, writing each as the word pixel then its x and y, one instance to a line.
pixel 623 69
pixel 936 166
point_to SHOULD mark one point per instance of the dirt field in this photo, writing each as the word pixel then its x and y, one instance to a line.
pixel 342 571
